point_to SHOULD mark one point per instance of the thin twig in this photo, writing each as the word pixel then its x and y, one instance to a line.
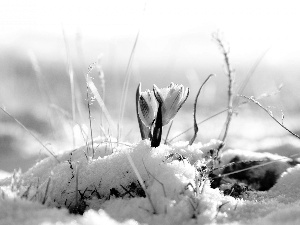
pixel 229 71
pixel 28 131
pixel 252 99
pixel 195 107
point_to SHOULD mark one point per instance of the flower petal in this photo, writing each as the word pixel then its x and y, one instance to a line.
pixel 158 95
pixel 184 97
pixel 171 100
pixel 147 108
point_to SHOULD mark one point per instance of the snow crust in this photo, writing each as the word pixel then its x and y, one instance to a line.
pixel 170 184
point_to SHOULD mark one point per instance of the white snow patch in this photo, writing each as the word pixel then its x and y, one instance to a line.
pixel 287 188
pixel 170 199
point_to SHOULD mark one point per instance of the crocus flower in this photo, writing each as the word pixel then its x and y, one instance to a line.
pixel 171 100
pixel 147 107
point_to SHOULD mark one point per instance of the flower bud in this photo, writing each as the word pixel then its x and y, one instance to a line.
pixel 171 100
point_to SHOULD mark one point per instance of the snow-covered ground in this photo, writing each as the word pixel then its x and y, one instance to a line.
pixel 106 189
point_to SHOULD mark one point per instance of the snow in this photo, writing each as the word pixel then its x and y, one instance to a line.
pixel 287 189
pixel 111 194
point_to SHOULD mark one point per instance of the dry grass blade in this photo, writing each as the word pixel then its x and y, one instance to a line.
pixel 140 181
pixel 162 185
pixel 229 71
pixel 102 84
pixel 127 79
pixel 169 129
pixel 195 107
pixel 97 96
pixel 71 75
pixel 31 134
pixel 252 99
pixel 90 120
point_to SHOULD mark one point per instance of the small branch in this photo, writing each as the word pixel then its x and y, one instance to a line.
pixel 195 107
pixel 229 71
pixel 252 99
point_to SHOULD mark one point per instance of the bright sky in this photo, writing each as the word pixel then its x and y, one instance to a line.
pixel 257 23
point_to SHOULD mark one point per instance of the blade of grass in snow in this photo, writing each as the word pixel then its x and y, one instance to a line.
pixel 28 131
pixel 195 107
pixel 90 118
pixel 97 96
pixel 140 180
pixel 102 79
pixel 126 82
